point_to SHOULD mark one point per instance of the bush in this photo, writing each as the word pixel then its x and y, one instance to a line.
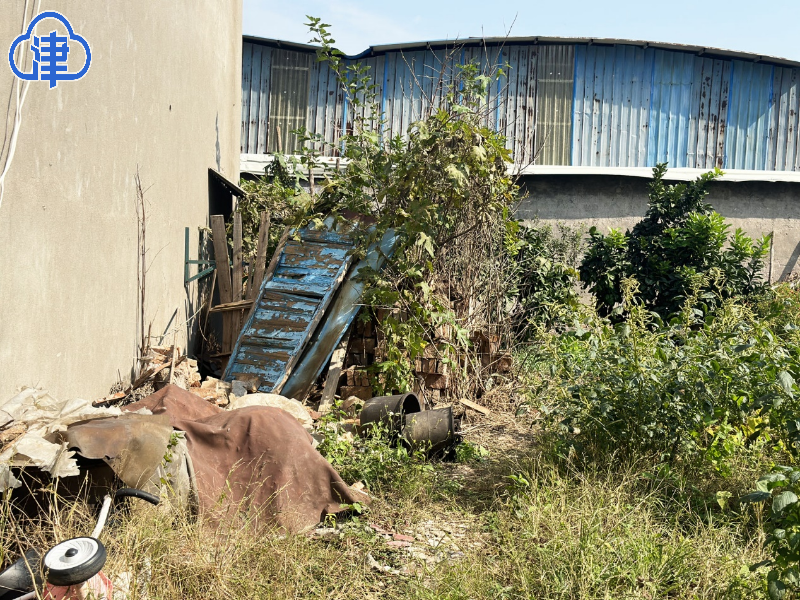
pixel 698 388
pixel 678 242
pixel 544 275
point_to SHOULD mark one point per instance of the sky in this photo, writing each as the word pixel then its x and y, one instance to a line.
pixel 765 28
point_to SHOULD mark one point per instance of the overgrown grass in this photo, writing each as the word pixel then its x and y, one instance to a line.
pixel 547 532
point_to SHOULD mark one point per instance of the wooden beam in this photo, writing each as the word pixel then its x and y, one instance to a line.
pixel 238 277
pixel 476 407
pixel 231 306
pixel 257 275
pixel 220 240
pixel 334 371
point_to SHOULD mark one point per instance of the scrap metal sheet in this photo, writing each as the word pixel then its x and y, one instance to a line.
pixel 289 307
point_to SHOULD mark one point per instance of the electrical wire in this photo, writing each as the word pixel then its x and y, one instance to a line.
pixel 20 102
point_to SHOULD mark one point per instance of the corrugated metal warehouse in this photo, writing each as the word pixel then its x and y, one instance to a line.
pixel 586 119
pixel 576 102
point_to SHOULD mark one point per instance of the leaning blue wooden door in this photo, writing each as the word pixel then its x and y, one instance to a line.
pixel 289 306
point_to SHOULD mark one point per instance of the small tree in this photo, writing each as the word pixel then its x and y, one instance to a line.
pixel 679 241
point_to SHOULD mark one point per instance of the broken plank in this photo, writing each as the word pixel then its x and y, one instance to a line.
pixel 476 407
pixel 220 240
pixel 257 275
pixel 334 372
pixel 237 277
pixel 231 306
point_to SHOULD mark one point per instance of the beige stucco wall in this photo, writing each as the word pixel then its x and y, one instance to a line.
pixel 162 95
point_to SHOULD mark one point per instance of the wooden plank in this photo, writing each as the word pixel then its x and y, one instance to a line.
pixel 263 108
pixel 476 407
pixel 334 372
pixel 257 273
pixel 239 305
pixel 237 277
pixel 220 241
pixel 267 276
pixel 238 273
pixel 247 53
pixel 255 101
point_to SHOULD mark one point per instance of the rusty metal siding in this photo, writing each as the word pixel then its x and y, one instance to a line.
pixel 256 74
pixel 290 304
pixel 783 146
pixel 614 105
pixel 748 116
pixel 612 81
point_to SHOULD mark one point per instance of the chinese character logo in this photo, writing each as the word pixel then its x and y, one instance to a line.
pixel 50 52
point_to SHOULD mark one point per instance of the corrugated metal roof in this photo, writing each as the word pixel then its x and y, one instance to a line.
pixel 708 51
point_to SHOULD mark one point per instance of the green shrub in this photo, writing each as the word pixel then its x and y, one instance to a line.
pixel 781 489
pixel 544 275
pixel 697 388
pixel 678 242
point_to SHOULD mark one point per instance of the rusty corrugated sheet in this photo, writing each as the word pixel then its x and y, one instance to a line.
pixel 608 104
pixel 290 304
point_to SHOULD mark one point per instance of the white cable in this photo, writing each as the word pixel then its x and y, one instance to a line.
pixel 12 145
pixel 101 520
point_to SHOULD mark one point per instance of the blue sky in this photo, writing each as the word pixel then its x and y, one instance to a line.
pixel 767 28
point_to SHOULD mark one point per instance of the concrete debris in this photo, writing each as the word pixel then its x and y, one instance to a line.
pixel 215 391
pixel 293 407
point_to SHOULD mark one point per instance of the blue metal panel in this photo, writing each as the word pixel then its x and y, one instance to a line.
pixel 748 116
pixel 290 304
pixel 612 92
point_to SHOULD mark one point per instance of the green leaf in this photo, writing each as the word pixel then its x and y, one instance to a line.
pixel 786 381
pixel 755 497
pixel 777 589
pixel 783 500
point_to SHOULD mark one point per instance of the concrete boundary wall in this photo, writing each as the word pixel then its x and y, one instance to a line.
pixel 606 201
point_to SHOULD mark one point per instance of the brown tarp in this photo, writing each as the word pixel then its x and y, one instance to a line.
pixel 256 461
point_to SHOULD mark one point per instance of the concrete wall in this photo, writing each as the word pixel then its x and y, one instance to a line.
pixel 162 96
pixel 607 201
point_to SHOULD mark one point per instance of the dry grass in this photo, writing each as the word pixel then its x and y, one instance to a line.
pixel 554 533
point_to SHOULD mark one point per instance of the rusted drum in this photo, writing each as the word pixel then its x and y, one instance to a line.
pixel 389 410
pixel 432 431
